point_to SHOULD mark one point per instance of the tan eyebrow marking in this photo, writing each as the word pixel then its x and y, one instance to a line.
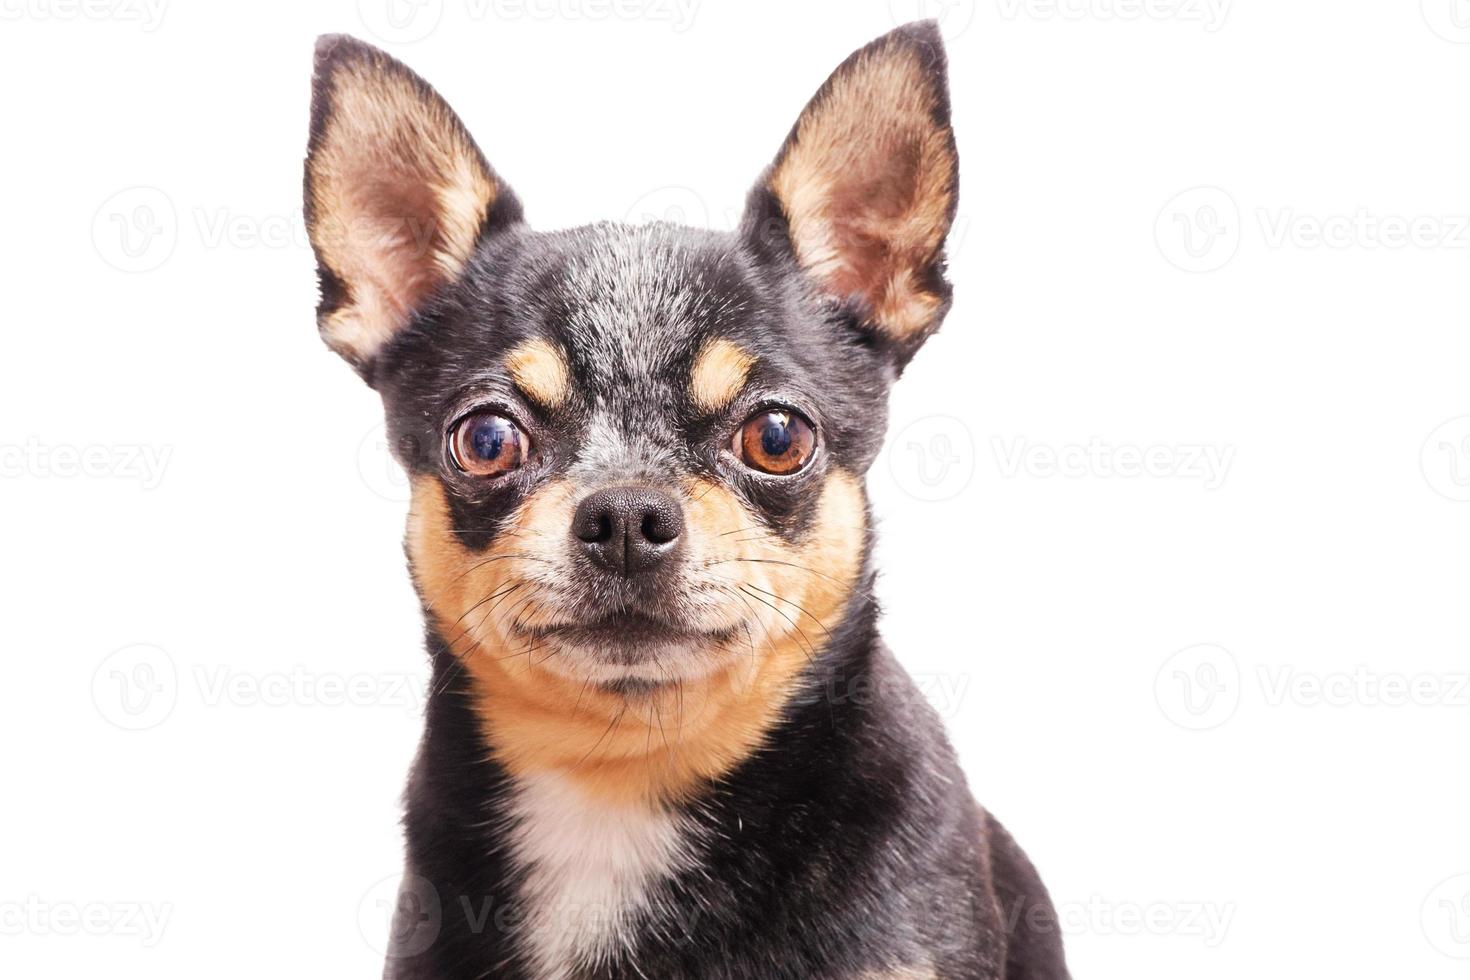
pixel 719 373
pixel 540 371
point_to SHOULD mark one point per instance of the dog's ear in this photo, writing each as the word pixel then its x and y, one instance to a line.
pixel 397 195
pixel 863 193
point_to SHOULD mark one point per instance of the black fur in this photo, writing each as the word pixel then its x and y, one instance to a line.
pixel 848 845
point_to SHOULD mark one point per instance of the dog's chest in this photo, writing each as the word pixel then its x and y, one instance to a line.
pixel 593 872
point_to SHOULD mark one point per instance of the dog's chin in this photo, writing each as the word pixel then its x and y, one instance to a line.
pixel 630 653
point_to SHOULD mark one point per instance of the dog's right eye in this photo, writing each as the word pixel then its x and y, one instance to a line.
pixel 486 444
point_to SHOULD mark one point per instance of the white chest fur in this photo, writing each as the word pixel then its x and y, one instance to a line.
pixel 592 870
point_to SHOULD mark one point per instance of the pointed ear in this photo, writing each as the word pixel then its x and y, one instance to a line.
pixel 864 191
pixel 397 195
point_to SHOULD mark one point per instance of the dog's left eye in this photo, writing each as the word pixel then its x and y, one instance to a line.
pixel 775 441
pixel 486 444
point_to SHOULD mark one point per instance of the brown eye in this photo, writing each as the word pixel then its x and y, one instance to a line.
pixel 486 444
pixel 775 441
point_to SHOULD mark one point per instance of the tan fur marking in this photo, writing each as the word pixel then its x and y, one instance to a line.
pixel 398 195
pixel 924 972
pixel 718 374
pixel 867 187
pixel 662 746
pixel 539 370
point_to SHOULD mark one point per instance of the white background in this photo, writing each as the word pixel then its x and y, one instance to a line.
pixel 1223 706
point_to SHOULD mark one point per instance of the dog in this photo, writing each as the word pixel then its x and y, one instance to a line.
pixel 664 739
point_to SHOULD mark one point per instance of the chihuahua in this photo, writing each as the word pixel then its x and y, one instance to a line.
pixel 664 739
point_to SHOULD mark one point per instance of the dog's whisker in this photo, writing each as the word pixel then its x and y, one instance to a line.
pixel 616 722
pixel 806 643
pixel 799 606
pixel 788 564
pixel 494 558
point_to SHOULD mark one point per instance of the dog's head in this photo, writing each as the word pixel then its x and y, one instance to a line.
pixel 636 452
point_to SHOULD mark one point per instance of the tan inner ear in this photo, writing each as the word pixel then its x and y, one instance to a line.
pixel 399 195
pixel 867 187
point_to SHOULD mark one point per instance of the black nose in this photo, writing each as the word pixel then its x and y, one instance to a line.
pixel 628 529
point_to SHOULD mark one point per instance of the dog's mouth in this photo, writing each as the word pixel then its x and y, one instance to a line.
pixel 628 652
pixel 636 633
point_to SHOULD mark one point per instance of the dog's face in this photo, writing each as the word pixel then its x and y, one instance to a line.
pixel 636 452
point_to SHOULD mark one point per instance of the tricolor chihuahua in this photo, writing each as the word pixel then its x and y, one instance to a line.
pixel 664 740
